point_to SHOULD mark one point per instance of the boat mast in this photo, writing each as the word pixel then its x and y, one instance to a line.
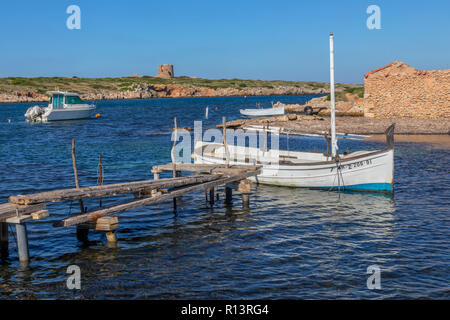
pixel 334 146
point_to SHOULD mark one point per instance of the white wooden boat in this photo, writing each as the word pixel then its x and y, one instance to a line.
pixel 263 112
pixel 359 171
pixel 62 106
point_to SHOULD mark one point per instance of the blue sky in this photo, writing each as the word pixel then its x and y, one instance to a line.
pixel 247 39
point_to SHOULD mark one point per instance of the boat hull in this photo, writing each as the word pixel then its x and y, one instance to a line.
pixel 372 171
pixel 262 112
pixel 68 114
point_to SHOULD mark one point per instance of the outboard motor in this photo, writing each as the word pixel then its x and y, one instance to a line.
pixel 34 113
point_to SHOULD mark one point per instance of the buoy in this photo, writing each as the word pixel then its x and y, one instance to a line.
pixel 9 120
pixel 217 108
pixel 97 115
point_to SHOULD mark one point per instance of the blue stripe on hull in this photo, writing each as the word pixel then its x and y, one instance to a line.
pixel 374 187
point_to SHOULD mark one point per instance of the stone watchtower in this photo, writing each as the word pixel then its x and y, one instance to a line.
pixel 165 71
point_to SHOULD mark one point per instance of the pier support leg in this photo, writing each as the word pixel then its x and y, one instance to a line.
pixel 245 200
pixel 211 196
pixel 245 188
pixel 228 195
pixel 3 240
pixel 83 233
pixel 22 242
pixel 111 237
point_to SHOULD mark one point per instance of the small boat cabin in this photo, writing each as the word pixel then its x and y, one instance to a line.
pixel 60 98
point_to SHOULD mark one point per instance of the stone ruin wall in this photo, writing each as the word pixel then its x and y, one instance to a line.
pixel 398 90
pixel 165 71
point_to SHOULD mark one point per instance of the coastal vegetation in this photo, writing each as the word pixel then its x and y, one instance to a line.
pixel 81 85
pixel 343 95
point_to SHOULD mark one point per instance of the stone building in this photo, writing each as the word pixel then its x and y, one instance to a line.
pixel 165 71
pixel 398 90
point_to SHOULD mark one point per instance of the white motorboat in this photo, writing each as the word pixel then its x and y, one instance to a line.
pixel 278 111
pixel 371 170
pixel 62 106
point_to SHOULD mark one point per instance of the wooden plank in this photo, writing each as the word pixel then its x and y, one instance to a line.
pixel 104 224
pixel 206 168
pixel 147 201
pixel 8 210
pixel 40 214
pixel 19 219
pixel 104 190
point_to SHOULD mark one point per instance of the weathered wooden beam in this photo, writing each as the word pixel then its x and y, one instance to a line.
pixel 20 219
pixel 206 168
pixel 40 214
pixel 104 190
pixel 104 224
pixel 8 210
pixel 147 201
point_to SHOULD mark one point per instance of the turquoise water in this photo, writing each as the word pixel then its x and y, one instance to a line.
pixel 291 243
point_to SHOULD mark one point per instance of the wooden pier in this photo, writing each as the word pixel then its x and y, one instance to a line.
pixel 23 209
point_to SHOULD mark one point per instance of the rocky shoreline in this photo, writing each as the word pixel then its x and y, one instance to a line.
pixel 145 91
pixel 354 125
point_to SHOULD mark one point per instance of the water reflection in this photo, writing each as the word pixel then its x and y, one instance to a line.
pixel 290 243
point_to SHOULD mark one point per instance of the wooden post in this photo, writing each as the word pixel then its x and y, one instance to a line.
pixel 111 237
pixel 4 240
pixel 156 174
pixel 245 189
pixel 245 200
pixel 100 175
pixel 82 233
pixel 211 196
pixel 172 155
pixel 228 194
pixel 224 138
pixel 327 138
pixel 22 242
pixel 265 137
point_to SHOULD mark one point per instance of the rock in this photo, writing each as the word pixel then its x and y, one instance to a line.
pixel 292 117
